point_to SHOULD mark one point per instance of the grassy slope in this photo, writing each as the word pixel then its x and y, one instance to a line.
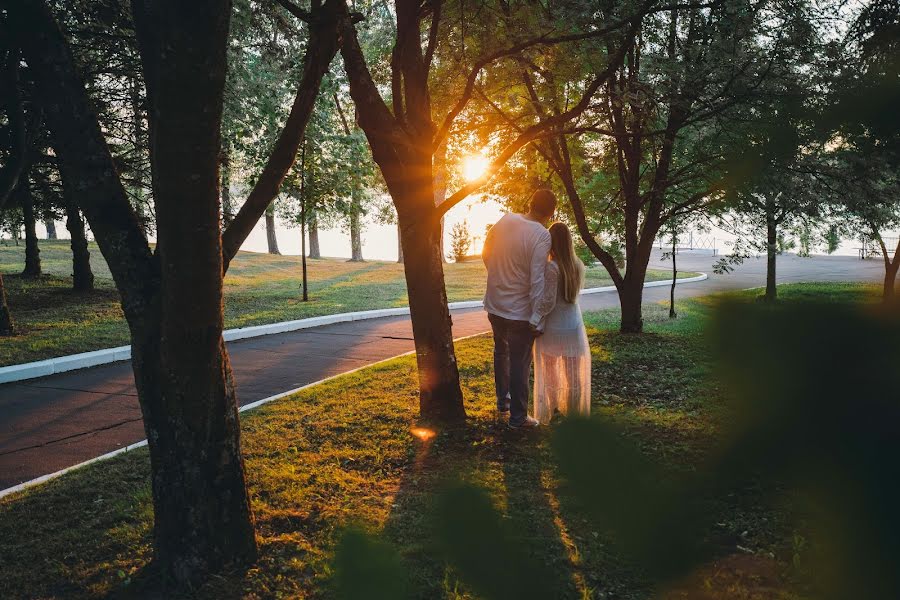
pixel 259 288
pixel 316 462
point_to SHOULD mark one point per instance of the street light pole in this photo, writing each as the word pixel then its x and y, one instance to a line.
pixel 303 218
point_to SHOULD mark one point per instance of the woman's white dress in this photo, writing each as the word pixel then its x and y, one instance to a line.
pixel 562 356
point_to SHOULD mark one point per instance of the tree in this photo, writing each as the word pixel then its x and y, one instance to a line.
pixel 172 297
pixel 655 145
pixel 860 131
pixel 770 188
pixel 403 140
pixel 460 241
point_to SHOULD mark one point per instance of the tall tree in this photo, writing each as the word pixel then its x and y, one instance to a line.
pixel 672 111
pixel 403 139
pixel 172 297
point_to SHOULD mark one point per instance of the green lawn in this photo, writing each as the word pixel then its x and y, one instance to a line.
pixel 259 289
pixel 317 462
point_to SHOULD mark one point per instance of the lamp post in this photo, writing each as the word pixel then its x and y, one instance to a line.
pixel 303 218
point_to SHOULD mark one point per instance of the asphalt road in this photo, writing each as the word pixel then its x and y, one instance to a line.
pixel 54 422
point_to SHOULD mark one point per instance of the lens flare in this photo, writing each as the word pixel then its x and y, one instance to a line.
pixel 422 433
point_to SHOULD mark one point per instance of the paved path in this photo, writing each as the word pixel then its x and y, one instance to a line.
pixel 51 423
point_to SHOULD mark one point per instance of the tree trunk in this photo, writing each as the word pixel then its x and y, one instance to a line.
pixel 7 327
pixel 50 224
pixel 631 290
pixel 82 275
pixel 270 230
pixel 890 282
pixel 172 298
pixel 672 313
pixel 771 258
pixel 32 252
pixel 631 296
pixel 440 396
pixel 313 226
pixel 356 254
pixel 399 245
pixel 203 520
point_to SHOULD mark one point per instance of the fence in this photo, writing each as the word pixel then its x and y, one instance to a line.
pixel 871 248
pixel 690 242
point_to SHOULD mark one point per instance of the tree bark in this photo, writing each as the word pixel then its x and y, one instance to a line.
pixel 313 226
pixel 890 282
pixel 82 275
pixel 32 251
pixel 7 327
pixel 50 224
pixel 356 254
pixel 771 256
pixel 271 239
pixel 172 299
pixel 891 266
pixel 203 516
pixel 399 245
pixel 440 395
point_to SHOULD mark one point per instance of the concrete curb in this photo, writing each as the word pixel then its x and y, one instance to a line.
pixel 84 360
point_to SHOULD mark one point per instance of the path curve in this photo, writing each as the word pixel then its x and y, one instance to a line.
pixel 52 423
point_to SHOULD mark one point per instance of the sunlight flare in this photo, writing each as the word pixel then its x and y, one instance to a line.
pixel 474 166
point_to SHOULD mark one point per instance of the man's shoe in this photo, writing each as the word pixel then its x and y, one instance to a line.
pixel 528 423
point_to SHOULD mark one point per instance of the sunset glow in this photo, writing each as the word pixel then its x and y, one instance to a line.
pixel 474 166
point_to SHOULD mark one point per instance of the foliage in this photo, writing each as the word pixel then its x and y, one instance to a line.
pixel 460 241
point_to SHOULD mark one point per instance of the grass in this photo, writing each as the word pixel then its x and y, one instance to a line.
pixel 317 462
pixel 259 289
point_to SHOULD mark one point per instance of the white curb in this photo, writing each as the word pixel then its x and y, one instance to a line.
pixel 84 360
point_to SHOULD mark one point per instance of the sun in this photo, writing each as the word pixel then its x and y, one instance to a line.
pixel 474 166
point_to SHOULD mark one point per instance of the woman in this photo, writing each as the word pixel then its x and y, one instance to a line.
pixel 562 357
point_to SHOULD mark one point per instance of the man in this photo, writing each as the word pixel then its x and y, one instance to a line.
pixel 515 253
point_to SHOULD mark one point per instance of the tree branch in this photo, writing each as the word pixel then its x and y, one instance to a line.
pixel 322 47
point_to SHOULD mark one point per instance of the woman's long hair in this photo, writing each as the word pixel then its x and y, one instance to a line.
pixel 571 269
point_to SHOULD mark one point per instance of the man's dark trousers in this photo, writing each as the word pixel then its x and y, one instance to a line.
pixel 513 343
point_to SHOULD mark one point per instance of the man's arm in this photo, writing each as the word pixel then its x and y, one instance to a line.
pixel 488 246
pixel 539 259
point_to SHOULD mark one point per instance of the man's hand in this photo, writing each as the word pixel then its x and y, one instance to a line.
pixel 535 330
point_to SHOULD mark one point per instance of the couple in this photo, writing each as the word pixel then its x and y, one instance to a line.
pixel 533 283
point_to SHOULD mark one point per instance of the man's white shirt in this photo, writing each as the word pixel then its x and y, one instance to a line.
pixel 516 254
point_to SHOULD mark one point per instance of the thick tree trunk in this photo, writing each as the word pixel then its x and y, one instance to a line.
pixel 313 226
pixel 890 282
pixel 399 246
pixel 771 258
pixel 50 224
pixel 82 275
pixel 355 222
pixel 172 299
pixel 631 297
pixel 440 398
pixel 32 251
pixel 203 516
pixel 271 239
pixel 631 290
pixel 7 327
